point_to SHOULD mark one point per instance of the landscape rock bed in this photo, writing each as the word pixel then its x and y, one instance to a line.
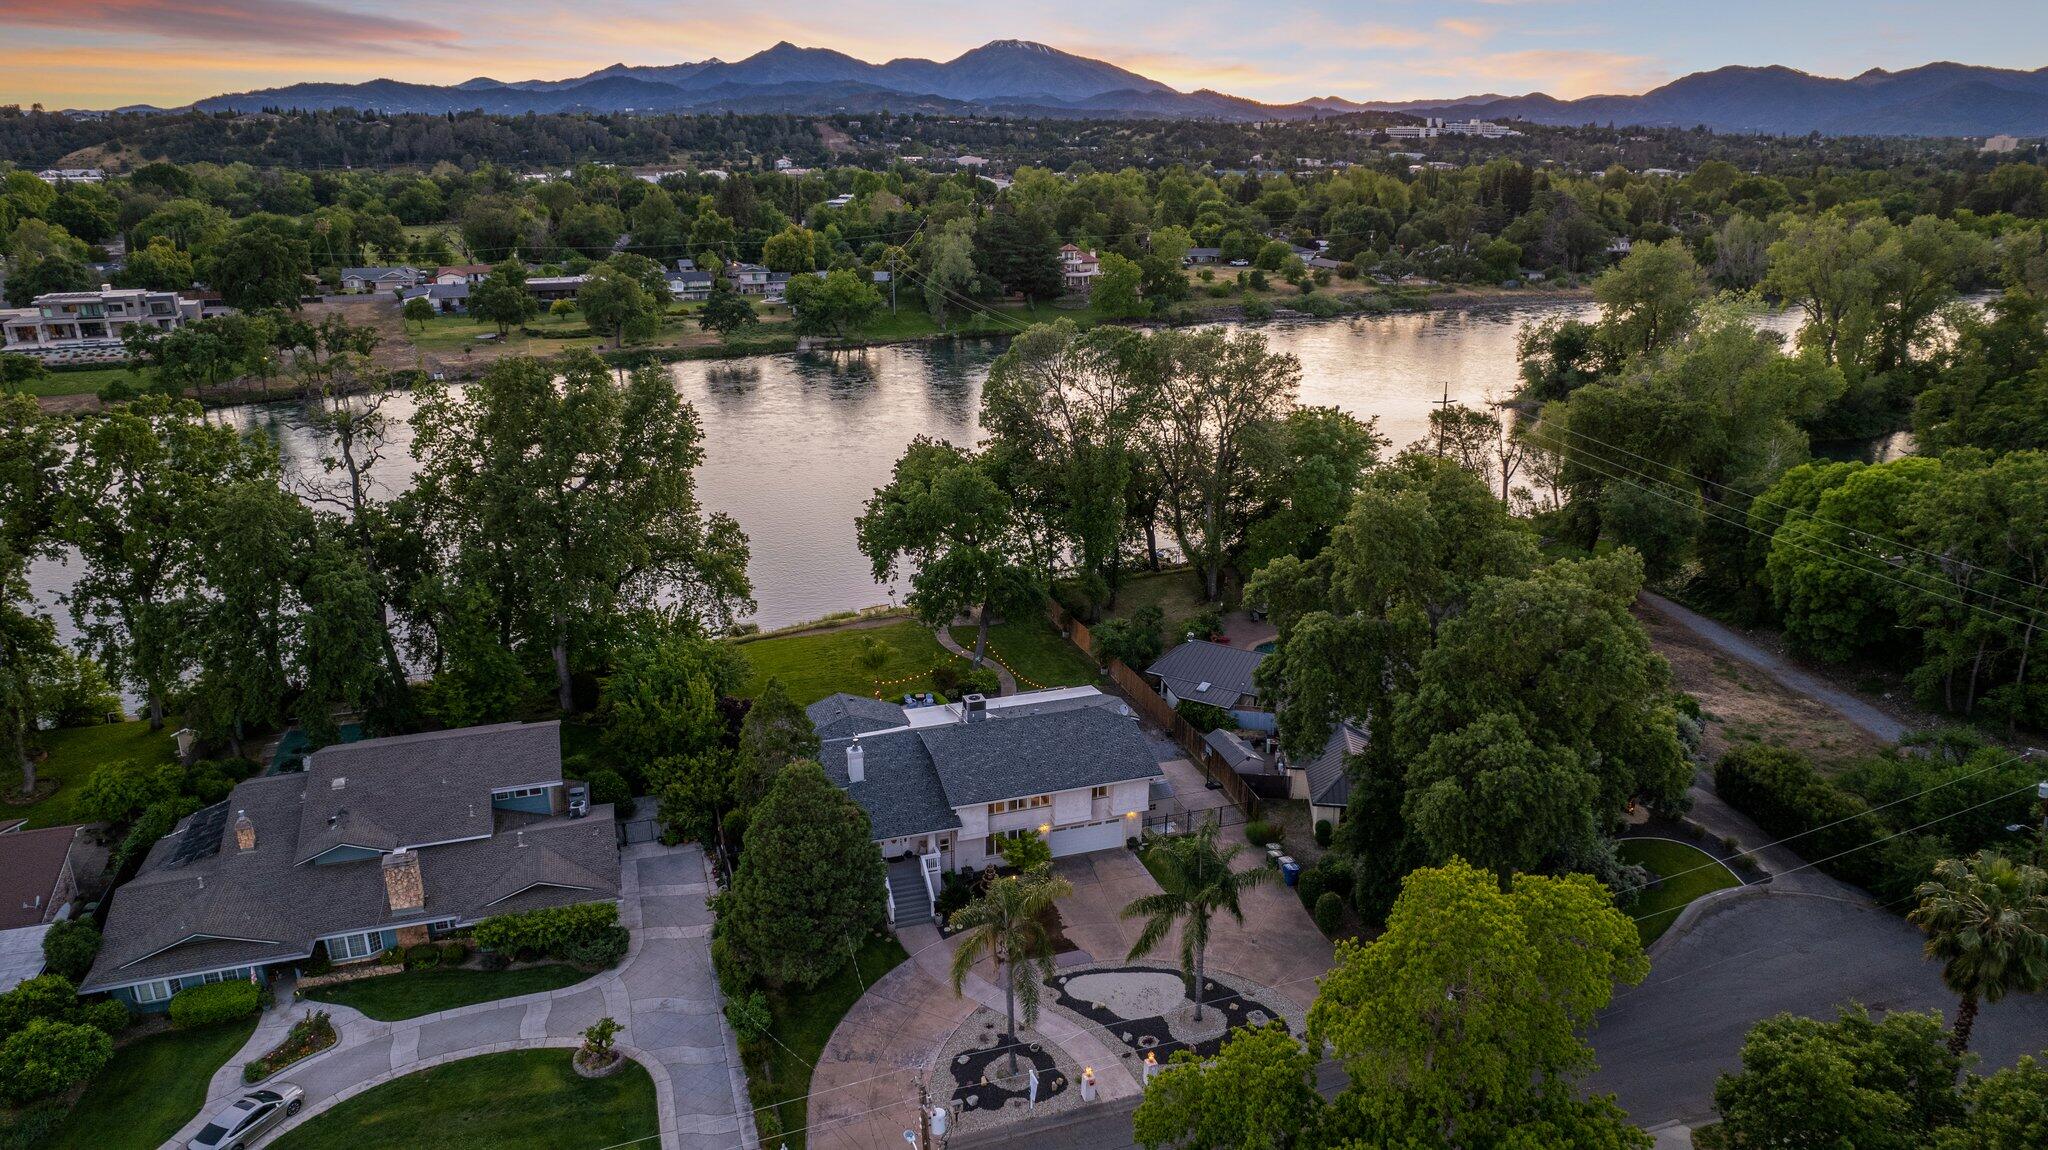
pixel 1147 1009
pixel 974 1064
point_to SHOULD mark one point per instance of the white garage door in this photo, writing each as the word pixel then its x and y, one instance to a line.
pixel 1092 837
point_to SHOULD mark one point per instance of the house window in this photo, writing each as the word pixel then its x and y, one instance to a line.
pixel 157 991
pixel 1098 792
pixel 519 793
pixel 239 974
pixel 347 947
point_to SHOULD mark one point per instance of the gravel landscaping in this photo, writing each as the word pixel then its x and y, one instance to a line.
pixel 975 1063
pixel 1146 1008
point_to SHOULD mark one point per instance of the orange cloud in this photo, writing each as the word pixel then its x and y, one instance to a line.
pixel 297 22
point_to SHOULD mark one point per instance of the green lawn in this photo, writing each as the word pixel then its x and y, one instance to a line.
pixel 86 382
pixel 153 1086
pixel 1177 594
pixel 779 1069
pixel 452 333
pixel 814 666
pixel 1038 655
pixel 74 752
pixel 511 1101
pixel 390 997
pixel 1697 874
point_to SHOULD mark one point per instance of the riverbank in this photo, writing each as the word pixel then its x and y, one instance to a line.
pixel 888 331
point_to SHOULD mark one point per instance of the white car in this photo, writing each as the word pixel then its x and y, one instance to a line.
pixel 238 1126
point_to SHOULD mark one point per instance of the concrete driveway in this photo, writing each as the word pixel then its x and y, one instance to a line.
pixel 1661 1045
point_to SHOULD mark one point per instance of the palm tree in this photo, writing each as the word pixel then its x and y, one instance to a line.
pixel 1007 923
pixel 1986 919
pixel 1195 882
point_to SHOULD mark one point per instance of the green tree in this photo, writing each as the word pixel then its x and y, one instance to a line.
pixel 1854 1082
pixel 2007 1110
pixel 942 513
pixel 1986 919
pixel 810 888
pixel 790 250
pixel 570 494
pixel 1306 471
pixel 418 310
pixel 262 264
pixel 502 298
pixel 842 301
pixel 615 304
pixel 69 947
pixel 1650 298
pixel 726 311
pixel 1461 1024
pixel 161 267
pixel 1196 883
pixel 1116 291
pixel 949 275
pixel 1257 1093
pixel 775 733
pixel 1007 924
pixel 47 1057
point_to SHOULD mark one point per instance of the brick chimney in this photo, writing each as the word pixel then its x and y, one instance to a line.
pixel 403 889
pixel 245 832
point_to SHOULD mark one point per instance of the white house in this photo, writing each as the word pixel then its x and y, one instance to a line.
pixel 91 320
pixel 355 281
pixel 943 785
pixel 1078 269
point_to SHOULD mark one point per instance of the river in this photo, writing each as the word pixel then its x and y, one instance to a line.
pixel 795 444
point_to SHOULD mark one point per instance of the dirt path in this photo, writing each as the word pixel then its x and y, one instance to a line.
pixel 1753 694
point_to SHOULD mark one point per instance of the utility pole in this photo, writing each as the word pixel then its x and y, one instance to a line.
pixel 1444 405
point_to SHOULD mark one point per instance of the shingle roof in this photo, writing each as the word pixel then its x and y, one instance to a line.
pixel 234 908
pixel 429 788
pixel 1329 784
pixel 842 716
pixel 30 862
pixel 899 788
pixel 1205 672
pixel 1233 750
pixel 1011 756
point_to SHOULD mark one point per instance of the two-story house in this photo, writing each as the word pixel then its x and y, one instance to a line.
pixel 943 785
pixel 80 320
pixel 376 844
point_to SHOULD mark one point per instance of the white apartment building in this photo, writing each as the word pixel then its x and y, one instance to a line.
pixel 91 320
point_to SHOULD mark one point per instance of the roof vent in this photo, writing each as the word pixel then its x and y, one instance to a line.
pixel 1202 686
pixel 856 763
pixel 339 782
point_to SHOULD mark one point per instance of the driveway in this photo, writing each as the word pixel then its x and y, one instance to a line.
pixel 664 992
pixel 1661 1045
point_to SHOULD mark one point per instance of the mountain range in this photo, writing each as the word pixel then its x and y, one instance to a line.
pixel 1022 78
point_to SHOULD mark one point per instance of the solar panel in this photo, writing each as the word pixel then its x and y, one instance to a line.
pixel 202 835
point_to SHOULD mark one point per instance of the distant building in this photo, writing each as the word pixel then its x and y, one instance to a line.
pixel 355 281
pixel 840 200
pixel 750 279
pixel 689 285
pixel 548 289
pixel 92 320
pixel 71 175
pixel 446 299
pixel 2002 143
pixel 37 884
pixel 463 274
pixel 1079 269
pixel 1204 255
pixel 1435 126
pixel 970 162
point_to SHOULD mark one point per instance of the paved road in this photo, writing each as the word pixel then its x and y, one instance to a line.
pixel 1661 1045
pixel 664 992
pixel 1855 710
pixel 1103 1127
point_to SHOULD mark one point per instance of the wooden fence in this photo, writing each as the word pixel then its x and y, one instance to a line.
pixel 1156 709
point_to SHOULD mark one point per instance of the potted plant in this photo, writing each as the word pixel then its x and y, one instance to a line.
pixel 596 1058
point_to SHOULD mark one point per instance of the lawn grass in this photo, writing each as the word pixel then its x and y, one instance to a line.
pixel 87 381
pixel 779 1069
pixel 1177 593
pixel 391 997
pixel 74 752
pixel 510 1101
pixel 814 666
pixel 1696 873
pixel 1038 655
pixel 153 1086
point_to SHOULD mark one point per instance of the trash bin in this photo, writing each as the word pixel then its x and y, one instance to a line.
pixel 1290 871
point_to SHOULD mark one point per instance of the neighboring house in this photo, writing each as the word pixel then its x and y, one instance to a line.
pixel 688 285
pixel 37 884
pixel 448 299
pixel 840 200
pixel 71 175
pixel 941 784
pixel 686 264
pixel 1324 263
pixel 464 274
pixel 60 321
pixel 1323 781
pixel 355 281
pixel 1078 268
pixel 548 289
pixel 777 287
pixel 376 844
pixel 1218 674
pixel 1204 255
pixel 1238 755
pixel 1619 246
pixel 749 279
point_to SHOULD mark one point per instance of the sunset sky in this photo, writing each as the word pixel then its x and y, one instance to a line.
pixel 169 52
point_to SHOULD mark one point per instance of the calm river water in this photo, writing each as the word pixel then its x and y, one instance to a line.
pixel 795 444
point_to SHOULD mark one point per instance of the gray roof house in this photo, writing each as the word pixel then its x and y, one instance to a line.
pixel 1214 673
pixel 1323 781
pixel 379 279
pixel 376 844
pixel 448 299
pixel 942 784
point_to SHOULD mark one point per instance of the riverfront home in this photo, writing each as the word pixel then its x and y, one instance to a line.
pixel 377 844
pixel 91 320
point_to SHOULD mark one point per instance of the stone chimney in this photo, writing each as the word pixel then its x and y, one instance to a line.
pixel 403 889
pixel 856 764
pixel 245 832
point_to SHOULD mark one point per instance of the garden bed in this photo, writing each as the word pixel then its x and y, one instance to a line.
pixel 311 1034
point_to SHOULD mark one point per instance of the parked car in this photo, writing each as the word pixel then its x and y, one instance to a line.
pixel 1240 263
pixel 238 1126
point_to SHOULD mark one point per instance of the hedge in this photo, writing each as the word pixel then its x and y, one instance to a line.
pixel 214 1002
pixel 585 933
